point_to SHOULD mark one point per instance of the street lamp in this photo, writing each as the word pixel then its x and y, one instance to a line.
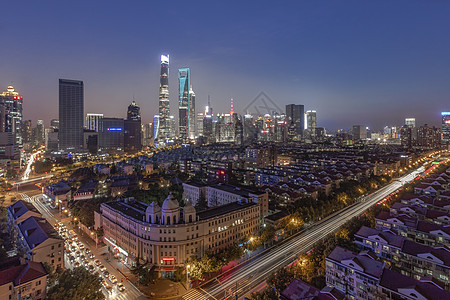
pixel 92 233
pixel 187 277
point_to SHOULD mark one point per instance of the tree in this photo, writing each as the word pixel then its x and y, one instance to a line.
pixel 267 234
pixel 77 284
pixel 201 204
pixel 266 294
pixel 280 279
pixel 144 274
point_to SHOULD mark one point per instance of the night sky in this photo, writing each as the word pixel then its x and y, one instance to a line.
pixel 355 62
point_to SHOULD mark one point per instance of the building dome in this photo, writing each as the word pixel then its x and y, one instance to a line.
pixel 170 204
pixel 153 208
pixel 188 208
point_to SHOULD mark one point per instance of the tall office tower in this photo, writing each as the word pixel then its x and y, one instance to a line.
pixel 132 128
pixel 411 122
pixel 192 129
pixel 164 130
pixel 71 112
pixel 184 103
pixel 238 130
pixel 249 129
pixel 54 123
pixel 111 137
pixel 199 123
pixel 295 115
pixel 40 132
pixel 27 131
pixel 208 131
pixel 311 122
pixel 359 132
pixel 171 128
pixel 94 122
pixel 156 130
pixel 445 127
pixel 147 134
pixel 11 120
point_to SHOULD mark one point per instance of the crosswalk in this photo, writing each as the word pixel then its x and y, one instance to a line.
pixel 195 294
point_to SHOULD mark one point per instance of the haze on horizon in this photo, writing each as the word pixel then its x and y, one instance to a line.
pixel 354 62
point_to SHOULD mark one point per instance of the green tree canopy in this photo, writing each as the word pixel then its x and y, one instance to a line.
pixel 77 284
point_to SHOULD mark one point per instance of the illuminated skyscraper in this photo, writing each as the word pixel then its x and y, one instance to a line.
pixel 411 122
pixel 163 132
pixel 132 128
pixel 94 122
pixel 311 122
pixel 295 116
pixel 71 111
pixel 445 127
pixel 11 111
pixel 186 105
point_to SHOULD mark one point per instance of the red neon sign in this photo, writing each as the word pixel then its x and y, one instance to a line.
pixel 168 258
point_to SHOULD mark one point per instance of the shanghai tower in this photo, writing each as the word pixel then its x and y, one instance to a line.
pixel 163 131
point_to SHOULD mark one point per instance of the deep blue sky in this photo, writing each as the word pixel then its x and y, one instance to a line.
pixel 355 62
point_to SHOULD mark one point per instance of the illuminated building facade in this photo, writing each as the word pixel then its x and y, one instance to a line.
pixel 164 131
pixel 186 105
pixel 170 235
pixel 11 114
pixel 71 112
pixel 94 122
pixel 295 115
pixel 445 127
pixel 132 128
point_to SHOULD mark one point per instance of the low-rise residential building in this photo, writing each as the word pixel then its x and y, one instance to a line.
pixel 86 191
pixel 422 232
pixel 299 289
pixel 40 242
pixel 19 212
pixel 411 258
pixel 170 235
pixel 193 191
pixel 355 275
pixel 22 279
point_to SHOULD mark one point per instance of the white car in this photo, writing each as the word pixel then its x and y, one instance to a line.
pixel 113 279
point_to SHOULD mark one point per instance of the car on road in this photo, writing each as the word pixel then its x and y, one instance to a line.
pixel 91 256
pixel 113 279
pixel 106 286
pixel 71 258
pixel 120 287
pixel 102 268
pixel 87 251
pixel 97 262
pixel 90 267
pixel 76 264
pixel 105 274
pixel 81 247
pixel 78 253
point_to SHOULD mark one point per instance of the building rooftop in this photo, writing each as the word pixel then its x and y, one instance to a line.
pixel 37 230
pixel 389 237
pixel 440 254
pixel 412 288
pixel 19 271
pixel 223 209
pixel 364 263
pixel 20 208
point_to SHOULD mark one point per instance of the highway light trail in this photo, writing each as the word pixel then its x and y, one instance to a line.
pixel 251 274
pixel 26 175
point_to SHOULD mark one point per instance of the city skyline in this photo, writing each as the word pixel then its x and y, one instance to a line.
pixel 357 61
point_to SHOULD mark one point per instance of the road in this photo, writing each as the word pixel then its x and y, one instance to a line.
pixel 101 253
pixel 252 273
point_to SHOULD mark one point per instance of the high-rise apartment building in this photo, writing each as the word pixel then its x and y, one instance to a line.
pixel 27 131
pixel 445 127
pixel 163 131
pixel 94 122
pixel 11 114
pixel 428 137
pixel 40 132
pixel 311 122
pixel 295 116
pixel 132 128
pixel 186 106
pixel 71 112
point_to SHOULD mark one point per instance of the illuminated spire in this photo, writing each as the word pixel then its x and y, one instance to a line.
pixel 231 111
